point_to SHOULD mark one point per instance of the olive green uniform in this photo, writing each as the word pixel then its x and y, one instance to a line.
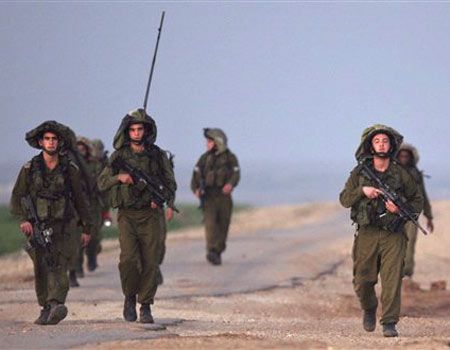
pixel 139 224
pixel 377 249
pixel 410 228
pixel 50 191
pixel 215 169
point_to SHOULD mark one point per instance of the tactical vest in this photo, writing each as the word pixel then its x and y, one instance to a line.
pixel 51 190
pixel 136 196
pixel 217 169
pixel 373 211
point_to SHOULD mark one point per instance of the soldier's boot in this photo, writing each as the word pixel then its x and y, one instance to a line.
pixel 214 258
pixel 389 330
pixel 129 309
pixel 145 314
pixel 58 312
pixel 42 319
pixel 73 282
pixel 370 319
pixel 159 277
pixel 92 262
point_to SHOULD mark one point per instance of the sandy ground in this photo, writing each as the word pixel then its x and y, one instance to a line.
pixel 320 312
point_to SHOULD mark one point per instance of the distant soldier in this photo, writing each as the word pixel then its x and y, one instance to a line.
pixel 139 216
pixel 215 176
pixel 52 181
pixel 409 157
pixel 379 246
pixel 93 167
pixel 163 220
pixel 99 153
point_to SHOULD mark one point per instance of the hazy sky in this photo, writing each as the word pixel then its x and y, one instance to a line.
pixel 286 81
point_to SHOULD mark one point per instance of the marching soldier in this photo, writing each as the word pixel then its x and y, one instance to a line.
pixel 215 176
pixel 52 182
pixel 380 243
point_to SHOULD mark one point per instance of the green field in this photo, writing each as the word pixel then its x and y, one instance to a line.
pixel 11 239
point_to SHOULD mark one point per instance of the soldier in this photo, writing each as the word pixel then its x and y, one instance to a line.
pixel 215 176
pixel 92 170
pixel 53 183
pixel 377 248
pixel 139 215
pixel 408 157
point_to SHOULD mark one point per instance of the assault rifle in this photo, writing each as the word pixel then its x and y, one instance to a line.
pixel 405 211
pixel 158 192
pixel 41 239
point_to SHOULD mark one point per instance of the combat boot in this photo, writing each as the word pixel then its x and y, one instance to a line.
pixel 58 312
pixel 389 330
pixel 73 282
pixel 42 319
pixel 129 309
pixel 370 319
pixel 159 277
pixel 92 262
pixel 145 314
pixel 214 258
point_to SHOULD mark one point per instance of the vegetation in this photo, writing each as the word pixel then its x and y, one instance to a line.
pixel 11 239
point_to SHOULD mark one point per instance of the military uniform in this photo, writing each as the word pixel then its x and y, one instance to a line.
pixel 92 169
pixel 377 248
pixel 139 224
pixel 56 195
pixel 410 228
pixel 214 169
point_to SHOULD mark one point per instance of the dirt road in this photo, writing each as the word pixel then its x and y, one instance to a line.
pixel 285 283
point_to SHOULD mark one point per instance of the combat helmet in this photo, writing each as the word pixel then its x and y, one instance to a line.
pixel 365 150
pixel 67 138
pixel 219 138
pixel 137 116
pixel 98 148
pixel 412 150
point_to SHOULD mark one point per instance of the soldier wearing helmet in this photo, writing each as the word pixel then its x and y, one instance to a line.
pixel 54 184
pixel 139 217
pixel 378 248
pixel 408 157
pixel 215 176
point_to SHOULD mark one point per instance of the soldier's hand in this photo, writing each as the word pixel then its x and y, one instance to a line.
pixel 371 192
pixel 27 228
pixel 169 214
pixel 430 225
pixel 125 178
pixel 227 189
pixel 391 207
pixel 197 193
pixel 153 205
pixel 85 239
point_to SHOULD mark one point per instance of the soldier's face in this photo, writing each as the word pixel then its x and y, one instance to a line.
pixel 210 144
pixel 82 149
pixel 136 133
pixel 49 143
pixel 381 143
pixel 404 158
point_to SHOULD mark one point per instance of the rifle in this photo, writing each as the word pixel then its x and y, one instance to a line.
pixel 41 238
pixel 405 211
pixel 149 83
pixel 158 192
